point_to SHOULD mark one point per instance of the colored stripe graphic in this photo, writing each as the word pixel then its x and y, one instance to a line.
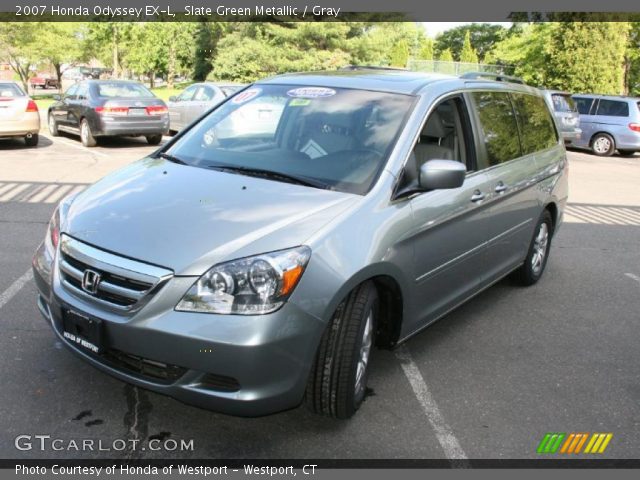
pixel 550 442
pixel 573 443
pixel 598 443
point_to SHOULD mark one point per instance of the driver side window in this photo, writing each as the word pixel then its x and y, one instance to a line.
pixel 187 94
pixel 446 135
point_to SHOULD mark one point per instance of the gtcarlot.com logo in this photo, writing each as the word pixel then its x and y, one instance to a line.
pixel 574 443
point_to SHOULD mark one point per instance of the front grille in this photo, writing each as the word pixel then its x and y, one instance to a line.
pixel 142 367
pixel 124 285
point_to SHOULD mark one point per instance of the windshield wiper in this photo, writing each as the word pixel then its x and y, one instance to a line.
pixel 172 158
pixel 283 177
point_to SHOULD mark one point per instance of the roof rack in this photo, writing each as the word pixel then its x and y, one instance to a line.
pixel 498 77
pixel 372 67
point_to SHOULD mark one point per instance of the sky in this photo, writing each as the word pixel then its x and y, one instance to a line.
pixel 434 28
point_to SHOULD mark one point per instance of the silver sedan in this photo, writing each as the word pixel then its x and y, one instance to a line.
pixel 197 99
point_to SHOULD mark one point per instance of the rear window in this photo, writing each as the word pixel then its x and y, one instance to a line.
pixel 499 128
pixel 563 103
pixel 122 90
pixel 613 108
pixel 9 91
pixel 537 130
pixel 583 105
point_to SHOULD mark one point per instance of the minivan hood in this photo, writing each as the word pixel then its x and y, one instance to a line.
pixel 188 219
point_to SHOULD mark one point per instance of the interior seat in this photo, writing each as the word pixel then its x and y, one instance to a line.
pixel 433 140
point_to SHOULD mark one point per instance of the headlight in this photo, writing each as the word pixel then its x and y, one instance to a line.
pixel 248 286
pixel 53 231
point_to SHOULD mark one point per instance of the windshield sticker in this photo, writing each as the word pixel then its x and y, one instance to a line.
pixel 246 95
pixel 311 92
pixel 299 102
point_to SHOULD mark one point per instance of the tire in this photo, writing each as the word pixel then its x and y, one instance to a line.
pixel 626 153
pixel 86 136
pixel 32 141
pixel 603 145
pixel 154 139
pixel 338 380
pixel 533 267
pixel 53 126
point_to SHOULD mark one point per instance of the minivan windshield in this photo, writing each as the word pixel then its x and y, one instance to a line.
pixel 563 103
pixel 331 138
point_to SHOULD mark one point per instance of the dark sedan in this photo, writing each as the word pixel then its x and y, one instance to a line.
pixel 107 108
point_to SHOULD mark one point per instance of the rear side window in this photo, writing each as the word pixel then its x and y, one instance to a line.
pixel 537 130
pixel 563 103
pixel 583 105
pixel 498 125
pixel 613 108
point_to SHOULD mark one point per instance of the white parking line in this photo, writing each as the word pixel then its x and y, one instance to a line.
pixel 444 434
pixel 69 143
pixel 633 277
pixel 14 288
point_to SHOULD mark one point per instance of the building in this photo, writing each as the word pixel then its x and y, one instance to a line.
pixel 6 73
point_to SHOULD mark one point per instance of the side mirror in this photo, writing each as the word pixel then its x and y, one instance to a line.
pixel 173 98
pixel 57 98
pixel 441 174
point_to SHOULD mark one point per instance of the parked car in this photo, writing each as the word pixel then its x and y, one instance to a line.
pixel 44 81
pixel 197 99
pixel 19 116
pixel 565 113
pixel 108 108
pixel 248 273
pixel 609 123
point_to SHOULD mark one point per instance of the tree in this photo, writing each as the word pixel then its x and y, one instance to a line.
pixel 588 57
pixel 400 54
pixel 60 43
pixel 19 48
pixel 483 37
pixel 468 54
pixel 207 37
pixel 446 56
pixel 426 50
pixel 108 42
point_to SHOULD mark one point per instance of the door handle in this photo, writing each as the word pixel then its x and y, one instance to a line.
pixel 477 196
pixel 501 187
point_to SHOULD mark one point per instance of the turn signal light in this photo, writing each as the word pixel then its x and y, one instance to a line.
pixel 635 127
pixel 31 106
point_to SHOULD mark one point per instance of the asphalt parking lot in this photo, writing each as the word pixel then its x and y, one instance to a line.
pixel 487 381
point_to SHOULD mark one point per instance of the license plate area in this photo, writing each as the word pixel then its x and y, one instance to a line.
pixel 82 330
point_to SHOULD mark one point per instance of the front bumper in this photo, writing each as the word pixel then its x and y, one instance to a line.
pixel 239 365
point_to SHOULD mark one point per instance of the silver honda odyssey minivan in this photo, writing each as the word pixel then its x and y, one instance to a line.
pixel 254 262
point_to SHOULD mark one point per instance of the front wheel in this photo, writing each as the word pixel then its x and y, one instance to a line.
pixel 533 267
pixel 154 139
pixel 53 125
pixel 338 381
pixel 603 145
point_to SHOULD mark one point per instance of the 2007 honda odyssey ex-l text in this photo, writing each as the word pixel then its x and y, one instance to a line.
pixel 252 263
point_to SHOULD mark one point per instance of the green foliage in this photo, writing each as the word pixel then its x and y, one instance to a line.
pixel 468 54
pixel 20 47
pixel 446 56
pixel 588 57
pixel 426 50
pixel 399 54
pixel 483 37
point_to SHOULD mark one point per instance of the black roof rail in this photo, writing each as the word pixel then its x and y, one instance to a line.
pixel 372 67
pixel 498 77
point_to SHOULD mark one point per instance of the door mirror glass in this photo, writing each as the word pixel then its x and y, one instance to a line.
pixel 56 97
pixel 442 174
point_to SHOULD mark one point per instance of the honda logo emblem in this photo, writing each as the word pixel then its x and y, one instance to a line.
pixel 90 281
